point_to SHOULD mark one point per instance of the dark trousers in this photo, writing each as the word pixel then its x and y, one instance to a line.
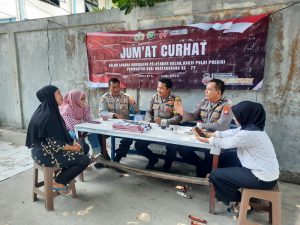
pixel 123 148
pixel 227 181
pixel 71 164
pixel 203 164
pixel 71 169
pixel 142 148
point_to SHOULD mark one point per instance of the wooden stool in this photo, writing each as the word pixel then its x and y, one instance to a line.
pixel 273 196
pixel 48 194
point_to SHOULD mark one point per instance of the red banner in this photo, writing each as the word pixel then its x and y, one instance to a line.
pixel 232 50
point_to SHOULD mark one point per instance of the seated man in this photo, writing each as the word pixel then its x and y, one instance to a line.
pixel 118 104
pixel 212 116
pixel 161 107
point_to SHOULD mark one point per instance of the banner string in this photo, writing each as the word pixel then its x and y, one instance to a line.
pixel 295 3
pixel 48 39
pixel 48 52
pixel 51 21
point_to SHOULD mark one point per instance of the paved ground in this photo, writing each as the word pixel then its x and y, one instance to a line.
pixel 107 198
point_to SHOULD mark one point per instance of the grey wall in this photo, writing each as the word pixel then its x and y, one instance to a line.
pixel 24 62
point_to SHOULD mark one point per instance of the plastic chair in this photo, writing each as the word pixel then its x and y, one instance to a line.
pixel 273 196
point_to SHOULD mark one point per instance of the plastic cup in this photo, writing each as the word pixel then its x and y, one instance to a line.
pixel 163 123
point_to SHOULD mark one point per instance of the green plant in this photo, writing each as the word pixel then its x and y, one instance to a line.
pixel 128 5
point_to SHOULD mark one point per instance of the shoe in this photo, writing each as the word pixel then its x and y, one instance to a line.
pixel 167 167
pixel 98 165
pixel 117 158
pixel 151 163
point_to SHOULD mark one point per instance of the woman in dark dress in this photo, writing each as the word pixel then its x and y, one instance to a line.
pixel 50 142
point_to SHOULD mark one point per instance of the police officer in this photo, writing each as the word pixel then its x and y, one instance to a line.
pixel 118 105
pixel 161 107
pixel 212 114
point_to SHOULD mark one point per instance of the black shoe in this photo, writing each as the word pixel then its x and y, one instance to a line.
pixel 151 163
pixel 167 167
pixel 117 158
pixel 98 165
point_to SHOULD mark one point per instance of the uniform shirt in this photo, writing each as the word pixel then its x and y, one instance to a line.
pixel 118 105
pixel 254 150
pixel 162 108
pixel 212 115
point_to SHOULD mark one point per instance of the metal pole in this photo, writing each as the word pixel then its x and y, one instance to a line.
pixel 22 9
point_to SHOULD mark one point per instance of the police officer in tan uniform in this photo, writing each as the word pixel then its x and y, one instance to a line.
pixel 161 107
pixel 118 105
pixel 212 114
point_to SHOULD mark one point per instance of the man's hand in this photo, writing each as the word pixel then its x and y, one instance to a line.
pixel 209 134
pixel 119 116
pixel 179 107
pixel 157 120
pixel 131 101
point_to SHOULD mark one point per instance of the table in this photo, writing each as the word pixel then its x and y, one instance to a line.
pixel 183 136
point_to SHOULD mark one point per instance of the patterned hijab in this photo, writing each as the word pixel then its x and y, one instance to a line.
pixel 250 115
pixel 46 120
pixel 73 104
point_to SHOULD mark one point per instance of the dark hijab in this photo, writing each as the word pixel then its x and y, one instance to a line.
pixel 250 115
pixel 46 120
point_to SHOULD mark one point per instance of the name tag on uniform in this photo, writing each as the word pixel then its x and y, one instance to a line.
pixel 155 106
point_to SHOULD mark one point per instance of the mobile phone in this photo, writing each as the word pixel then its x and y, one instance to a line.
pixel 200 132
pixel 95 122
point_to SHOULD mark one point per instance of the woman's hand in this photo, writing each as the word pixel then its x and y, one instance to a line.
pixel 75 147
pixel 202 139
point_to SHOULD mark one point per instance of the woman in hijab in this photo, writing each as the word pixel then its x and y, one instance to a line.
pixel 255 165
pixel 75 111
pixel 50 141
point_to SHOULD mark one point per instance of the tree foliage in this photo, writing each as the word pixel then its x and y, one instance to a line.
pixel 128 5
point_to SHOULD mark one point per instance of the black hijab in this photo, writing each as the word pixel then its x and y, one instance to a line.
pixel 250 115
pixel 46 120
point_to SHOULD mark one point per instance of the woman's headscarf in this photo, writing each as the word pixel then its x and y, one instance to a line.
pixel 60 107
pixel 250 115
pixel 46 120
pixel 73 102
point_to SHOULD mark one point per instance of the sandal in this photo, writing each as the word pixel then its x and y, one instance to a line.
pixel 67 192
pixel 95 156
pixel 89 168
pixel 234 210
pixel 60 188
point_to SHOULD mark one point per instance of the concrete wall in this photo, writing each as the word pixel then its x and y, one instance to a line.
pixel 24 62
pixel 34 9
